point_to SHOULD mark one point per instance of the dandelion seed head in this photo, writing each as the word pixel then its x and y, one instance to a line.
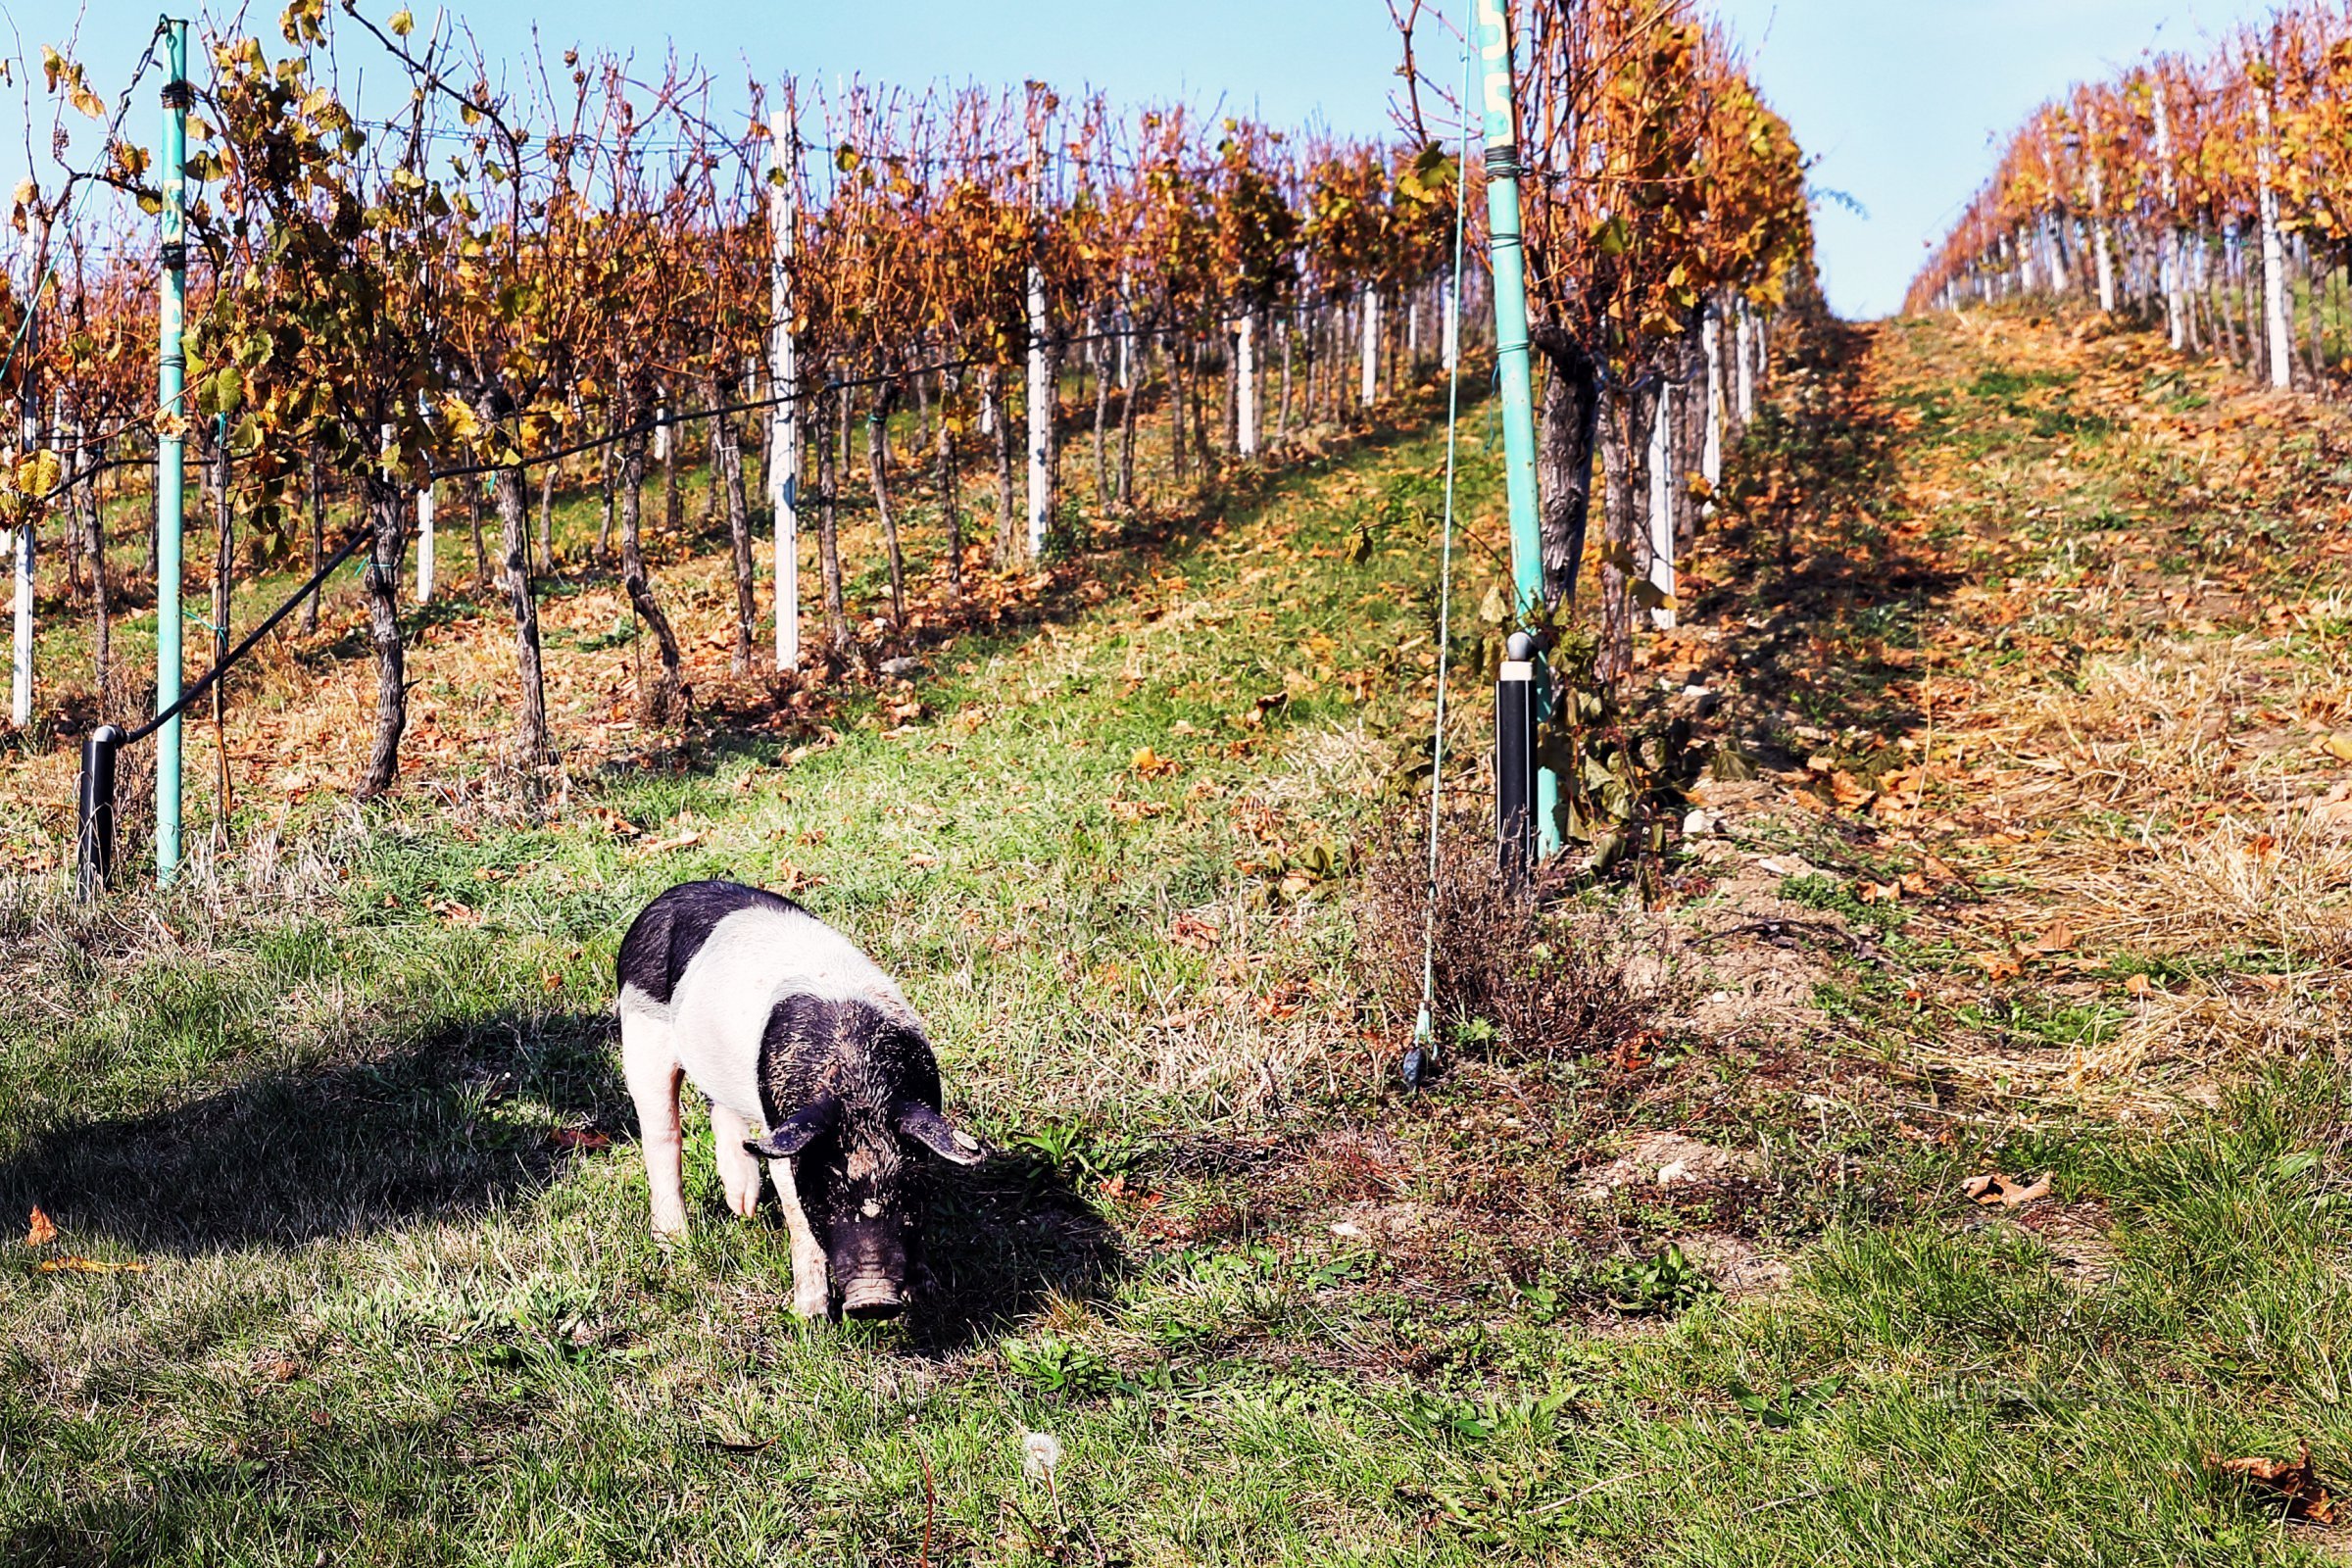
pixel 1041 1454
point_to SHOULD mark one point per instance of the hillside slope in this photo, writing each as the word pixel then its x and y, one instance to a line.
pixel 2031 639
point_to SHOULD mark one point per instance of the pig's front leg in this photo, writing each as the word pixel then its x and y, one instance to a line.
pixel 738 1166
pixel 811 1283
pixel 652 1069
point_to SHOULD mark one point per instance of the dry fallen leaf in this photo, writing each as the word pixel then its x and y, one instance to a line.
pixel 41 1230
pixel 1191 931
pixel 1148 763
pixel 2020 1197
pixel 70 1264
pixel 2297 1484
pixel 578 1138
pixel 2005 1190
pixel 2057 939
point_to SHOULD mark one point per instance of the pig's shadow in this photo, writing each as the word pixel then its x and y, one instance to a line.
pixel 322 1153
pixel 1001 1240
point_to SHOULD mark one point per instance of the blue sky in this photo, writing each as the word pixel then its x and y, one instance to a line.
pixel 1899 100
pixel 1903 103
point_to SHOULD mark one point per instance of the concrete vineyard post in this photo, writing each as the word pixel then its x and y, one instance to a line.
pixel 1661 507
pixel 1370 368
pixel 1743 338
pixel 424 543
pixel 1040 398
pixel 1710 452
pixel 2275 333
pixel 170 448
pixel 2100 247
pixel 1452 327
pixel 1491 43
pixel 784 380
pixel 1246 386
pixel 20 567
pixel 2168 259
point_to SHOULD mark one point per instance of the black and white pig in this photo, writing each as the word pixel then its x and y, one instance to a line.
pixel 813 1059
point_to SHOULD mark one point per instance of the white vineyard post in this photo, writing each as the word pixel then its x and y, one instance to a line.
pixel 424 543
pixel 23 557
pixel 1126 321
pixel 784 383
pixel 1040 399
pixel 2273 253
pixel 1745 350
pixel 1246 421
pixel 20 684
pixel 1661 506
pixel 1371 344
pixel 1710 452
pixel 1452 327
pixel 2098 221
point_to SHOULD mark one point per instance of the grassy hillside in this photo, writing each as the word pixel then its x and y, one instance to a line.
pixel 2030 638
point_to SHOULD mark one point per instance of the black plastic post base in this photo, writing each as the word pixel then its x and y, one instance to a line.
pixel 94 818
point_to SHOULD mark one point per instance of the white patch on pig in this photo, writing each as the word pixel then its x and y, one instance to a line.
pixel 754 959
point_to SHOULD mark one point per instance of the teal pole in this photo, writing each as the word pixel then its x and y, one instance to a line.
pixel 1490 42
pixel 171 449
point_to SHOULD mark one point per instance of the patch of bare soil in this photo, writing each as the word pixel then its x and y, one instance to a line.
pixel 1663 1162
pixel 1735 1265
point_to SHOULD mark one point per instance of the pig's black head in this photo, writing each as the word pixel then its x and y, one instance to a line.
pixel 859 1175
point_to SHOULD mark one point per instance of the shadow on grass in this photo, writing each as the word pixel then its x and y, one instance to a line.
pixel 336 1151
pixel 341 1152
pixel 1819 589
pixel 1001 1242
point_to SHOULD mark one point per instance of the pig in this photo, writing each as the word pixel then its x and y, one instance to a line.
pixel 814 1061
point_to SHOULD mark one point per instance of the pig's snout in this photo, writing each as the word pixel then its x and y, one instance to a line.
pixel 872 1297
pixel 869 1258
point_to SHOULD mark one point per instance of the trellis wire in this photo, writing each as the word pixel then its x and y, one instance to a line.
pixel 1417 1058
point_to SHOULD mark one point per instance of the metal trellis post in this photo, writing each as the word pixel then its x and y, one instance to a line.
pixel 170 450
pixel 1490 42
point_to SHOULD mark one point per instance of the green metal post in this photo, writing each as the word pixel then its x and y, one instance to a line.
pixel 1490 42
pixel 169 450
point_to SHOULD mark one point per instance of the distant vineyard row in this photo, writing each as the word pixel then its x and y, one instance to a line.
pixel 2212 190
pixel 497 272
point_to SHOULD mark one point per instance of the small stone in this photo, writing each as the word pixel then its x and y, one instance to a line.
pixel 901 668
pixel 1348 1230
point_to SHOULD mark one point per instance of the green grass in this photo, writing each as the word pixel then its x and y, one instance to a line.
pixel 389 1315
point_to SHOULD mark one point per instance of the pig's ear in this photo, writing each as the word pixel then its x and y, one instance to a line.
pixel 936 1133
pixel 797 1131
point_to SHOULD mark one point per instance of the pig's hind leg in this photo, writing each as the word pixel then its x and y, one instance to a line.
pixel 738 1166
pixel 650 1067
pixel 811 1283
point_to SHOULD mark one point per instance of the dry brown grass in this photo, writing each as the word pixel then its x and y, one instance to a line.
pixel 1517 976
